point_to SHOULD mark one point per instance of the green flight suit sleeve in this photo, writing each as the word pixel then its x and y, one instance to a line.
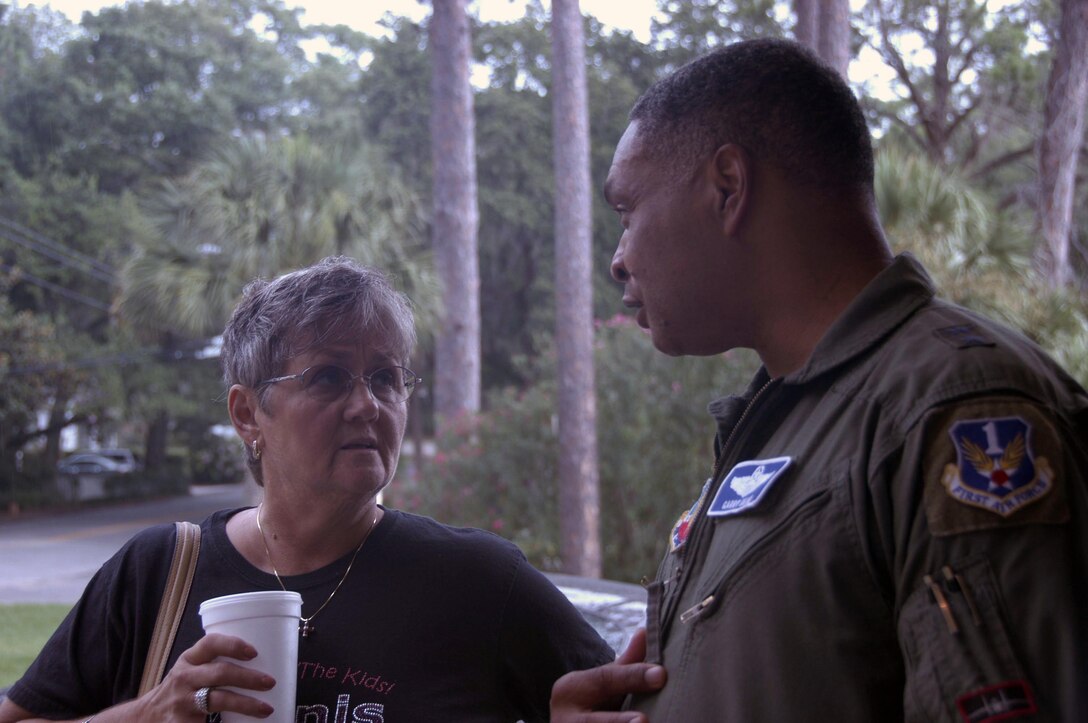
pixel 991 563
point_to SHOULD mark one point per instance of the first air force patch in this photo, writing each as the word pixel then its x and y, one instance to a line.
pixel 991 463
pixel 995 466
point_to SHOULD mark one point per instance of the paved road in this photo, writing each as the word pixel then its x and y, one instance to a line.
pixel 50 558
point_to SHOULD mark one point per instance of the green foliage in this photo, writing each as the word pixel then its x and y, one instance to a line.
pixel 968 79
pixel 215 460
pixel 23 631
pixel 259 207
pixel 498 471
pixel 691 28
pixel 245 144
pixel 147 85
pixel 978 255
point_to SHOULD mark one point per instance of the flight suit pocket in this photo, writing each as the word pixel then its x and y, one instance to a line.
pixel 767 552
pixel 960 663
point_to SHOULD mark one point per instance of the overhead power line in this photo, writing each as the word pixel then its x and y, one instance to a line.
pixel 57 289
pixel 39 243
pixel 136 356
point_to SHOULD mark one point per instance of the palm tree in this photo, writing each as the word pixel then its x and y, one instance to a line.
pixel 978 257
pixel 258 207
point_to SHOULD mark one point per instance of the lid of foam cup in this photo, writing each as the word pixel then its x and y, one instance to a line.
pixel 264 603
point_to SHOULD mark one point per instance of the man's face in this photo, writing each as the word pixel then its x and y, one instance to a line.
pixel 672 254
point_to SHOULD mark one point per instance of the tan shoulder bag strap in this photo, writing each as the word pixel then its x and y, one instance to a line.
pixel 186 550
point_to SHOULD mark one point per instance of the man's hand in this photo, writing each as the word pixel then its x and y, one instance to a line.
pixel 595 695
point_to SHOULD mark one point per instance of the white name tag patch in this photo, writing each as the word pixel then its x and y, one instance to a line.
pixel 745 485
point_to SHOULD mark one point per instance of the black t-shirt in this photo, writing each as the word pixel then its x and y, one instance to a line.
pixel 433 623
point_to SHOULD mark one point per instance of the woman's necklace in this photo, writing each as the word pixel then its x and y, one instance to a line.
pixel 304 625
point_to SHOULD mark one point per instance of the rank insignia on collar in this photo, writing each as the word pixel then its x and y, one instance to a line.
pixel 996 468
pixel 745 485
pixel 680 530
pixel 963 336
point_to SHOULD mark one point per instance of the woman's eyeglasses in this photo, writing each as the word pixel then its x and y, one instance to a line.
pixel 329 383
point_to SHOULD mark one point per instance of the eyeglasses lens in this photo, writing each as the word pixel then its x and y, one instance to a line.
pixel 328 383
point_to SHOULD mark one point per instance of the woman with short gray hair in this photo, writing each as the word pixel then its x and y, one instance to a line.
pixel 403 618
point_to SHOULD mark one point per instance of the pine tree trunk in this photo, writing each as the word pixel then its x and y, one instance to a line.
pixel 824 26
pixel 807 30
pixel 1061 141
pixel 833 44
pixel 579 495
pixel 456 216
pixel 158 433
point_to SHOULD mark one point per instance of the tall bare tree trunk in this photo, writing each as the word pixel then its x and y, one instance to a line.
pixel 824 26
pixel 456 215
pixel 156 440
pixel 1060 144
pixel 834 40
pixel 807 30
pixel 579 497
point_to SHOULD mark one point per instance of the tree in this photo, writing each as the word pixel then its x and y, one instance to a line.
pixel 824 26
pixel 258 207
pixel 965 77
pixel 978 255
pixel 692 27
pixel 143 88
pixel 456 216
pixel 579 496
pixel 1061 141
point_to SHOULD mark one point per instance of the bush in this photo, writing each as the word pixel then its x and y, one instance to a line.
pixel 497 470
pixel 170 478
pixel 217 460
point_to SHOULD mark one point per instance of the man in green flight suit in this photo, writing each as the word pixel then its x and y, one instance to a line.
pixel 896 523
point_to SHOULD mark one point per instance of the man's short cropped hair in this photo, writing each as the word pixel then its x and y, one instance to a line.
pixel 776 99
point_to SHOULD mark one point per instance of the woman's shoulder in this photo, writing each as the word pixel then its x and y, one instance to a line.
pixel 431 537
pixel 154 545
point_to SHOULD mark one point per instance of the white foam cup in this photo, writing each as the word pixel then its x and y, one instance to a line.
pixel 268 621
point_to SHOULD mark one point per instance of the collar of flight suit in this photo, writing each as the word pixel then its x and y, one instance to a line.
pixel 891 298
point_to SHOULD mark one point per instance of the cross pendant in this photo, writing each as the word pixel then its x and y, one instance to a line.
pixel 305 628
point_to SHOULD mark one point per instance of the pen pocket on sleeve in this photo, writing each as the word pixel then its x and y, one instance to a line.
pixel 960 663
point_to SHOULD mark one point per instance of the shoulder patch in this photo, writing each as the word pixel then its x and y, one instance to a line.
pixel 1011 699
pixel 991 463
pixel 680 530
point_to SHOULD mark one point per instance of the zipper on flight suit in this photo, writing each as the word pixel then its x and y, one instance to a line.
pixel 810 505
pixel 700 523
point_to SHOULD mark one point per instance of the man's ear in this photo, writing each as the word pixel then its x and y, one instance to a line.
pixel 242 407
pixel 732 178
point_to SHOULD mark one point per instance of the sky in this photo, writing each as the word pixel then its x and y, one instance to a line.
pixel 363 15
pixel 633 15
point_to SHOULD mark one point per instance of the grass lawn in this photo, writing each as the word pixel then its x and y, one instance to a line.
pixel 23 631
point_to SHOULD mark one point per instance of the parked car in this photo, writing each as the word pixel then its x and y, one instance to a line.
pixel 123 457
pixel 99 461
pixel 615 609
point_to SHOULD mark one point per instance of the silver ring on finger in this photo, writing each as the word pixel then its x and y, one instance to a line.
pixel 200 697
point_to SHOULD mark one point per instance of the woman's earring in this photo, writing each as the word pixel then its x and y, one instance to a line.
pixel 256 450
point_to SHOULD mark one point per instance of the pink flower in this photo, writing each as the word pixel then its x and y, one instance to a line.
pixel 619 320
